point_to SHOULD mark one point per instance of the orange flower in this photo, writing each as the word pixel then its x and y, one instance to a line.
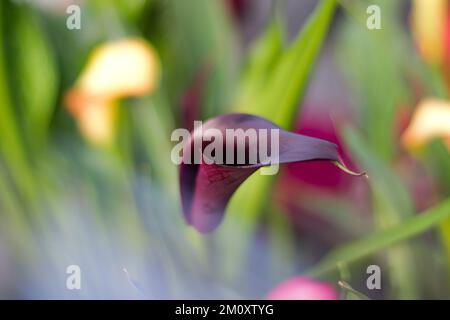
pixel 125 68
pixel 430 120
pixel 429 20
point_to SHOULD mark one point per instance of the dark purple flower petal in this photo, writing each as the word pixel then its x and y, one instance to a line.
pixel 207 188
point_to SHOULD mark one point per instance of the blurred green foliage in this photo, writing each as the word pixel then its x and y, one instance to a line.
pixel 64 200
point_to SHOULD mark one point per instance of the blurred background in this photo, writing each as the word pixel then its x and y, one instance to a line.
pixel 87 108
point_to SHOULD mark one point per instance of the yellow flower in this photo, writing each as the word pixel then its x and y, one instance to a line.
pixel 125 68
pixel 428 19
pixel 95 117
pixel 119 69
pixel 430 120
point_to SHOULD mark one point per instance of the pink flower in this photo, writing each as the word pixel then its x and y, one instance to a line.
pixel 301 288
pixel 320 174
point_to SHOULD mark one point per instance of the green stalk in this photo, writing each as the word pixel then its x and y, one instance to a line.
pixel 11 143
pixel 381 240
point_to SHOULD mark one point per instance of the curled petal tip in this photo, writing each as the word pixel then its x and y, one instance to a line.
pixel 347 170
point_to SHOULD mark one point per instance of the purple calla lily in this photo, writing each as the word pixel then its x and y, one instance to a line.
pixel 207 187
